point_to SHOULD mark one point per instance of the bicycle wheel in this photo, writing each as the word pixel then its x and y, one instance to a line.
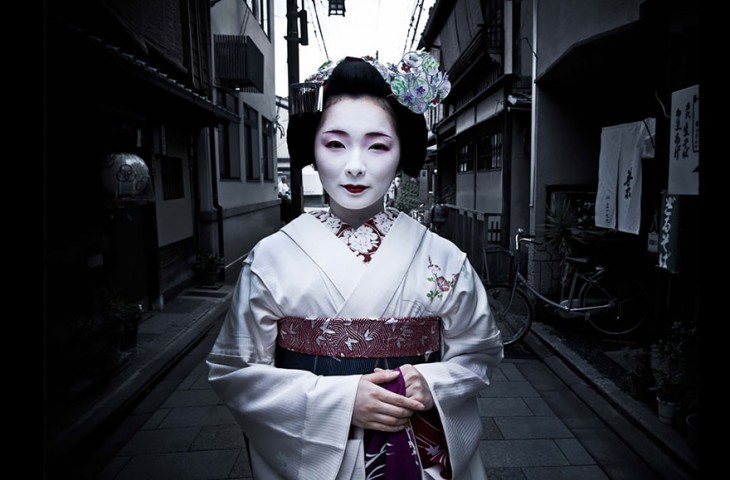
pixel 513 314
pixel 628 310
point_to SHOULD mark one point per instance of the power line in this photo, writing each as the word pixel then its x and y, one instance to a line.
pixel 405 44
pixel 244 21
pixel 418 20
pixel 319 26
pixel 413 16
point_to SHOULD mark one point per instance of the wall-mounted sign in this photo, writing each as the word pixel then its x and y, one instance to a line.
pixel 669 233
pixel 684 142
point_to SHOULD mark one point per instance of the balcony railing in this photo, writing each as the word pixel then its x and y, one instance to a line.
pixel 473 231
pixel 239 64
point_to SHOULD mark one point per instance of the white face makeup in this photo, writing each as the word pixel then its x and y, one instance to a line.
pixel 357 153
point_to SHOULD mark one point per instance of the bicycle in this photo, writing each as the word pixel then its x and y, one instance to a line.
pixel 610 312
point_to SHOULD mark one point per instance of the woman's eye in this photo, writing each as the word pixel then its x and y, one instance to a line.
pixel 334 144
pixel 379 146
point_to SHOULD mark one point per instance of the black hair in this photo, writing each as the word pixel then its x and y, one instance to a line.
pixel 356 77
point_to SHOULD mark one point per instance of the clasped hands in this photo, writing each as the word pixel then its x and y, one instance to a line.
pixel 377 408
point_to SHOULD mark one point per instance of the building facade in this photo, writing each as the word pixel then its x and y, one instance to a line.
pixel 616 111
pixel 482 130
pixel 158 146
pixel 543 93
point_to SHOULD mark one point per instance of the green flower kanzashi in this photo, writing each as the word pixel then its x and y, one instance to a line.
pixel 416 81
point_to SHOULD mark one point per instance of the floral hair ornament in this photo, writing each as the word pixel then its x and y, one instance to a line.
pixel 416 82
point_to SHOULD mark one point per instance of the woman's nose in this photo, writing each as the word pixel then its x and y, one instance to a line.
pixel 355 165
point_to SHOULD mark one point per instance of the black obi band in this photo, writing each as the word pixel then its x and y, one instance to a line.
pixel 320 365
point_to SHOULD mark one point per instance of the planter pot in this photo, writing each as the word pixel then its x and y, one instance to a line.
pixel 100 351
pixel 667 410
pixel 129 334
pixel 638 390
pixel 693 430
pixel 208 278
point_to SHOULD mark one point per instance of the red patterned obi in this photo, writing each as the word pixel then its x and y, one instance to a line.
pixel 361 337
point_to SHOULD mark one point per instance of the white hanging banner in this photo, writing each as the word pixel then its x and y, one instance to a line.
pixel 607 178
pixel 618 200
pixel 684 142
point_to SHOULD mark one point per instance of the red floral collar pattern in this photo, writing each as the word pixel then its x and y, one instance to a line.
pixel 365 240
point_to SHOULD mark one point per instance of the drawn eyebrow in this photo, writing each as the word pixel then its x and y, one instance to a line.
pixel 335 132
pixel 369 134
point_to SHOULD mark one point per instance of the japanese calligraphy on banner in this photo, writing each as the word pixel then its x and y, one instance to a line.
pixel 684 142
pixel 618 200
pixel 669 233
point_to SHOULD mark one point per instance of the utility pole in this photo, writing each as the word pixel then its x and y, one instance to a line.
pixel 292 43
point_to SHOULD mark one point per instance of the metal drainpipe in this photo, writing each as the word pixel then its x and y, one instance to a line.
pixel 214 190
pixel 535 103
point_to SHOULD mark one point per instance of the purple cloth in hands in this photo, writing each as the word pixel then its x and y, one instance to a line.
pixel 392 455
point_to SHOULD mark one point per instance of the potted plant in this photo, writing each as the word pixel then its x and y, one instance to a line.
pixel 95 343
pixel 559 230
pixel 639 379
pixel 207 268
pixel 128 315
pixel 119 312
pixel 674 363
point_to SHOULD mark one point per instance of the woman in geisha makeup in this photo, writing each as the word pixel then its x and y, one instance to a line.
pixel 357 341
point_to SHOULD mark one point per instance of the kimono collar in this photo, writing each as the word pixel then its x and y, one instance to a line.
pixel 365 240
pixel 359 283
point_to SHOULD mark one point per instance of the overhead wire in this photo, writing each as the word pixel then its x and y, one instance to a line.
pixel 319 27
pixel 410 25
pixel 244 21
pixel 418 20
pixel 417 17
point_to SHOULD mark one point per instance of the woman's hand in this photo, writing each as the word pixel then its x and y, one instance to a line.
pixel 416 386
pixel 377 408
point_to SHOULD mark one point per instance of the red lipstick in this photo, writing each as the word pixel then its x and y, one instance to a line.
pixel 355 188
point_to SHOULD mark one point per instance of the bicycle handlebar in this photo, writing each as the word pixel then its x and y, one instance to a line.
pixel 522 237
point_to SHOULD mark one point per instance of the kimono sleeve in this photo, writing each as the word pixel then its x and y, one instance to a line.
pixel 471 348
pixel 297 423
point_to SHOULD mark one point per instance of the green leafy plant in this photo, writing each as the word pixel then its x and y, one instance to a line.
pixel 205 263
pixel 407 198
pixel 95 343
pixel 207 267
pixel 120 312
pixel 560 221
pixel 675 361
pixel 639 379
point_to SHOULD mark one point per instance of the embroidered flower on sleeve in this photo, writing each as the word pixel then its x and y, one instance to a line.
pixel 441 284
pixel 434 268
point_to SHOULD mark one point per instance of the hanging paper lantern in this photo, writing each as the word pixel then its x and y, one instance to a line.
pixel 337 7
pixel 126 177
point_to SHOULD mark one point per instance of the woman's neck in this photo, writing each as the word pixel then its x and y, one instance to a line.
pixel 355 218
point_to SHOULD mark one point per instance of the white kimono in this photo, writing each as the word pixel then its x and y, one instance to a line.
pixel 298 423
